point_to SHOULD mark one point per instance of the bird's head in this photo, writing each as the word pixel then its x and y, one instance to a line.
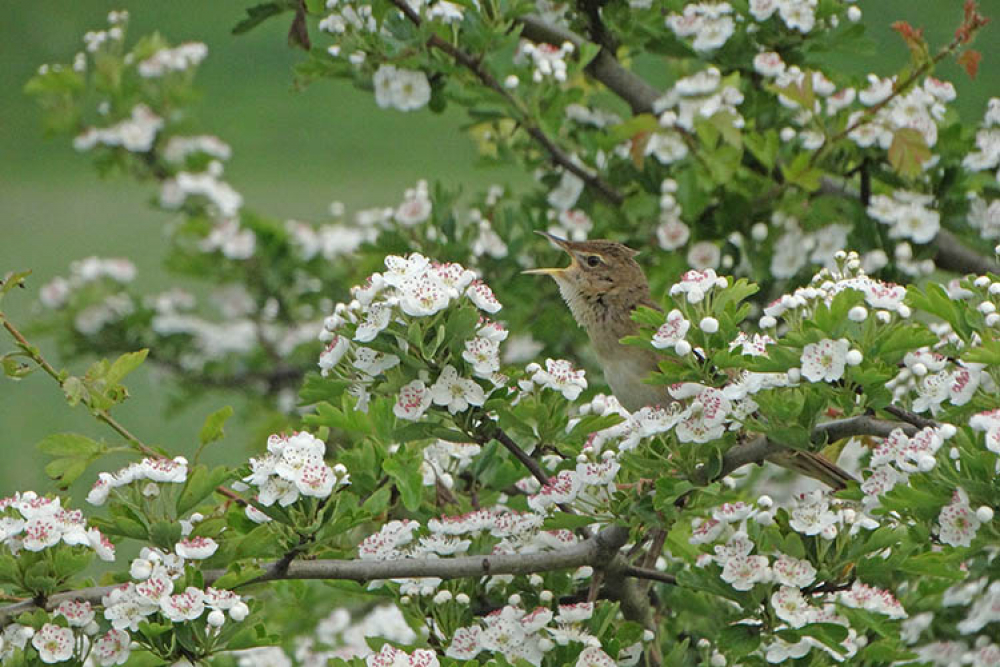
pixel 596 268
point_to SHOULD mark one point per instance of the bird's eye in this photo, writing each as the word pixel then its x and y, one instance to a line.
pixel 593 261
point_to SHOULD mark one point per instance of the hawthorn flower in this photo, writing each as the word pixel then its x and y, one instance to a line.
pixel 78 612
pixel 958 522
pixel 559 375
pixel 592 656
pixel 186 606
pixel 454 392
pixel 112 648
pixel 464 643
pixel 672 234
pixel 672 331
pixel 694 285
pixel 53 643
pixel 482 296
pixel 401 89
pixel 373 363
pixel 742 572
pixel 824 361
pixel 377 318
pixel 990 423
pixel 390 656
pixel 793 572
pixel 483 354
pixel 812 515
pixel 423 296
pixel 413 400
pixel 790 606
pixel 196 548
pixel 333 353
pixel 704 418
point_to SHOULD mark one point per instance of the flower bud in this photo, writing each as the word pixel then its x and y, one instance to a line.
pixel 216 618
pixel 239 611
pixel 709 325
pixel 854 357
pixel 857 314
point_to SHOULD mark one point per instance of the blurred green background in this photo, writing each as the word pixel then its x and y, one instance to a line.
pixel 294 153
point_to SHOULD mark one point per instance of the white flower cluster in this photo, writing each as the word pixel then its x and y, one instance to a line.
pixel 699 96
pixel 95 39
pixel 520 635
pixel 558 375
pixel 445 460
pixel 180 148
pixel 590 482
pixel 178 59
pixel 135 134
pixel 573 224
pixel 908 214
pixel 738 565
pixel 795 14
pixel 402 89
pixel 149 470
pixel 548 60
pixel 153 592
pixel 988 421
pixel 987 153
pixel 390 656
pixel 57 292
pixel 795 248
pixel 34 523
pixel 921 108
pixel 58 643
pixel 327 241
pixel 293 467
pixel 711 24
pixel 671 232
pixel 337 636
pixel 984 216
pixel 224 200
pixel 416 206
pixel 413 286
pixel 928 379
pixel 897 456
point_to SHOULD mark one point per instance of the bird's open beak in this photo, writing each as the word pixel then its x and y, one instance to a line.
pixel 562 244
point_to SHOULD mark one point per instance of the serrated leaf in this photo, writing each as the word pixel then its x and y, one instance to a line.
pixel 66 471
pixel 212 429
pixel 165 534
pixel 908 152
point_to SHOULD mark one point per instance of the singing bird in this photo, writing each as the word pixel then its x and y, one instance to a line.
pixel 602 285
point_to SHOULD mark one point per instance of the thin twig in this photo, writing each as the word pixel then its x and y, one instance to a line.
pixel 910 418
pixel 650 574
pixel 556 154
pixel 99 413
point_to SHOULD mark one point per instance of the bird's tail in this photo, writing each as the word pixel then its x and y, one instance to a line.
pixel 813 465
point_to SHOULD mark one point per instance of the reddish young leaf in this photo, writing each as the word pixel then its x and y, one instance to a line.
pixel 970 61
pixel 908 152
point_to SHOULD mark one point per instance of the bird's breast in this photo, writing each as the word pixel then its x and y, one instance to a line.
pixel 624 371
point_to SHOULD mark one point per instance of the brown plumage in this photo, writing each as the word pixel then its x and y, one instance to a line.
pixel 602 285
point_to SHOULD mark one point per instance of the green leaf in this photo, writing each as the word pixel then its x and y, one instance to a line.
pixel 212 429
pixel 588 51
pixel 66 471
pixel 908 152
pixel 801 173
pixel 70 445
pixel 258 14
pixel 566 521
pixel 12 281
pixel 943 564
pixel 199 485
pixel 763 146
pixel 404 468
pixel 378 502
pixel 124 365
pixel 165 534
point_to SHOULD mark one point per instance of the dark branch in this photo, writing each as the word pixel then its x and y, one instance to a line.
pixel 596 552
pixel 630 87
pixel 909 417
pixel 953 255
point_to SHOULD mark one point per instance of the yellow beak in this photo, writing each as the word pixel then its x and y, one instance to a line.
pixel 562 244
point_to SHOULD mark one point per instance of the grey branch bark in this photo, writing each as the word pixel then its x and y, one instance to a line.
pixel 760 447
pixel 605 67
pixel 597 552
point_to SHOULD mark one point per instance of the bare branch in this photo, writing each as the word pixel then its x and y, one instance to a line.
pixel 953 255
pixel 596 552
pixel 910 418
pixel 627 85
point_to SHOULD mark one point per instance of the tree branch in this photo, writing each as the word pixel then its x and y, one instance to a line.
pixel 630 87
pixel 556 154
pixel 761 447
pixel 596 552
